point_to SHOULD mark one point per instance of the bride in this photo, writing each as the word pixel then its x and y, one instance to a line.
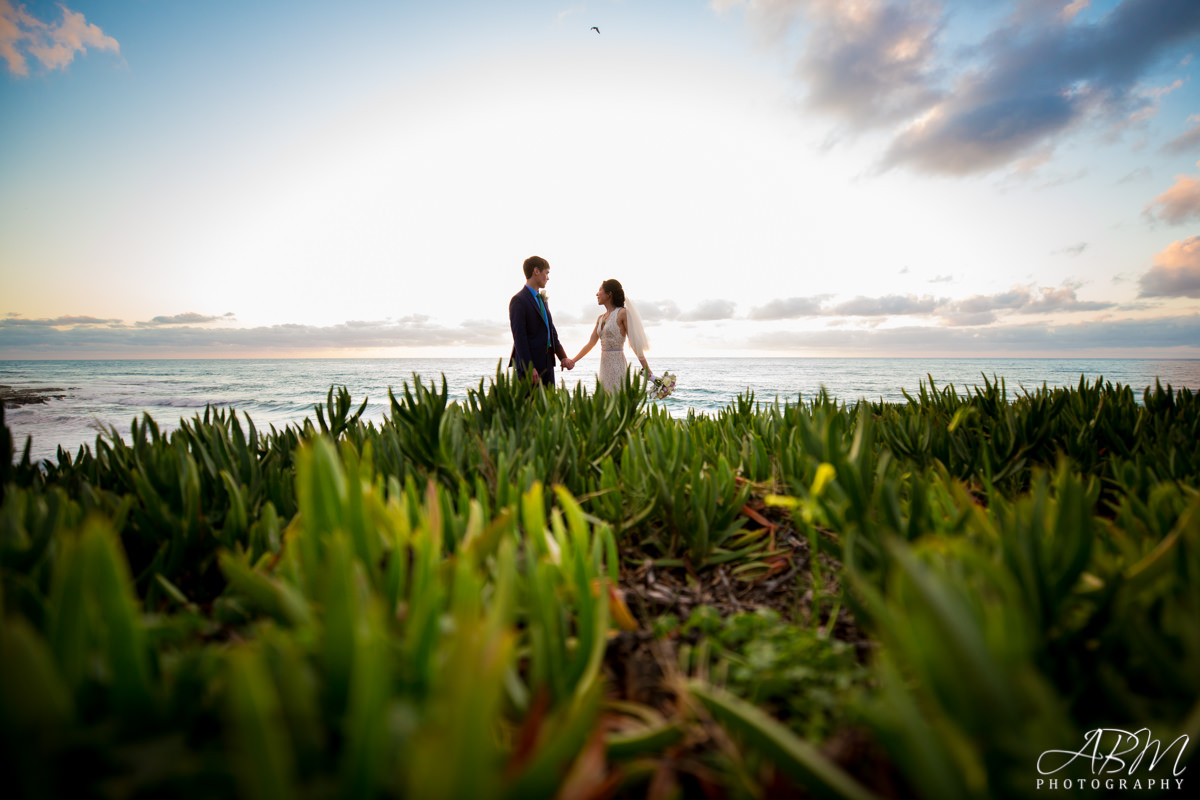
pixel 619 320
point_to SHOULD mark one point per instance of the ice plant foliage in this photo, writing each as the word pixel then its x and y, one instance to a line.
pixel 434 605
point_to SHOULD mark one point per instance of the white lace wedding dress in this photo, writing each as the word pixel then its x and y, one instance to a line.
pixel 612 352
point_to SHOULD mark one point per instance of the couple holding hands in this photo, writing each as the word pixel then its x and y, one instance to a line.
pixel 535 340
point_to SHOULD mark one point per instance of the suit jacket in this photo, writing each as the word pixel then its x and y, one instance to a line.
pixel 529 337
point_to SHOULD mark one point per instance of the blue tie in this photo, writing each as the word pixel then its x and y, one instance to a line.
pixel 542 308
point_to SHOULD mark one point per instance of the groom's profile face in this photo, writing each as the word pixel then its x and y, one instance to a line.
pixel 541 276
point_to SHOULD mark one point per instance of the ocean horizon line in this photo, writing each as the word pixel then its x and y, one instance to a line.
pixel 660 356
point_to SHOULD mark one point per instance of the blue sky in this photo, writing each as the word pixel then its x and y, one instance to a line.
pixel 773 177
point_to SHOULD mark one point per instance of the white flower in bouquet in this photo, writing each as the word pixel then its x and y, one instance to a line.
pixel 661 386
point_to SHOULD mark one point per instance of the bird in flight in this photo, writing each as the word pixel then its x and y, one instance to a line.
pixel 594 28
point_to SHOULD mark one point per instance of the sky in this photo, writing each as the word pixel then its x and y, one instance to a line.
pixel 808 178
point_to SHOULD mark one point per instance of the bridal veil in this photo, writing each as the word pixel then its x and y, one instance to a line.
pixel 635 329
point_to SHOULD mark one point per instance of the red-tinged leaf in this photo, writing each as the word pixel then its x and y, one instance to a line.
pixel 777 564
pixel 528 735
pixel 589 777
pixel 759 518
pixel 664 785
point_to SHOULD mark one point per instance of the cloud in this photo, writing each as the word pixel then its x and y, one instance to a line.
pixel 1179 204
pixel 578 8
pixel 668 310
pixel 1061 299
pixel 53 45
pixel 1186 142
pixel 708 311
pixel 190 318
pixel 987 303
pixel 891 305
pixel 789 308
pixel 952 318
pixel 870 62
pixel 1176 271
pixel 953 110
pixel 194 333
pixel 1039 81
pixel 1064 179
pixel 50 336
pixel 1180 333
pixel 1141 173
pixel 564 317
pixel 17 320
pixel 941 279
pixel 1072 10
pixel 980 309
pixel 1073 250
pixel 1159 92
pixel 658 310
pixel 971 311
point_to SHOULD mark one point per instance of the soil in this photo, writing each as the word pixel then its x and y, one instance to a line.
pixel 643 669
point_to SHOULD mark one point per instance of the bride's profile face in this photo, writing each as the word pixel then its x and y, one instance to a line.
pixel 602 296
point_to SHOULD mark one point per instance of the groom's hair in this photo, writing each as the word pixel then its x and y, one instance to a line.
pixel 535 262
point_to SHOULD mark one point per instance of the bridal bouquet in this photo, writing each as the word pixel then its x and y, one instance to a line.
pixel 661 386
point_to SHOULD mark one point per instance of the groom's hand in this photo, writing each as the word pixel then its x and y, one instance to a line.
pixel 568 363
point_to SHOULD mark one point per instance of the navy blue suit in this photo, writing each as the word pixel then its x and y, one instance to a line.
pixel 531 349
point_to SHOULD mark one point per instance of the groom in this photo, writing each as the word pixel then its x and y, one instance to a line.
pixel 535 340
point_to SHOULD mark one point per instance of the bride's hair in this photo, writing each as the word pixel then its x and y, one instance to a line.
pixel 613 287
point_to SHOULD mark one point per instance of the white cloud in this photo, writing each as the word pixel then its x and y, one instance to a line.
pixel 189 318
pixel 869 61
pixel 86 334
pixel 709 311
pixel 1176 271
pixel 1072 9
pixel 970 311
pixel 53 44
pixel 1139 174
pixel 1179 204
pixel 1186 142
pixel 576 9
pixel 980 304
pixel 789 308
pixel 16 320
pixel 1174 334
pixel 980 309
pixel 658 310
pixel 891 305
pixel 1046 300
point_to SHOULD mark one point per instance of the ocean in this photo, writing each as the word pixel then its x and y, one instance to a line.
pixel 98 395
